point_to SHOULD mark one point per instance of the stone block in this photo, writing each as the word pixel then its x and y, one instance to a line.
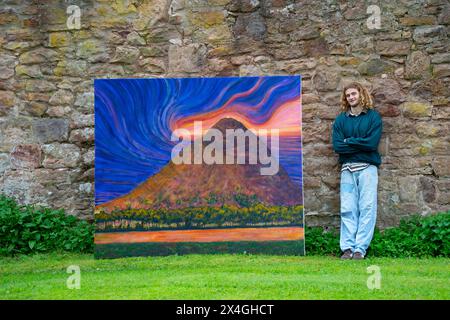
pixel 39 55
pixel 332 181
pixel 150 13
pixel 374 67
pixel 315 47
pixel 441 113
pixel 355 12
pixel 444 17
pixel 126 54
pixel 326 79
pixel 317 132
pixel 89 157
pixel 443 198
pixel 440 58
pixel 408 189
pixel 250 25
pixel 7 100
pixel 22 186
pixel 241 5
pixel 427 185
pixel 443 184
pixel 36 109
pixel 428 34
pixel 188 58
pixel 393 48
pixel 33 71
pixel 425 129
pixel 62 97
pixel 90 47
pixel 394 126
pixel 58 112
pixel 59 155
pixel 82 136
pixel 39 86
pixel 418 66
pixel 414 110
pixel 59 39
pixel 441 166
pixel 79 120
pixel 85 102
pixel 5 163
pixel 6 72
pixel 49 130
pixel 306 32
pixel 418 20
pixel 311 182
pixel 388 110
pixel 441 70
pixel 70 68
pixel 318 150
pixel 26 156
pixel 387 92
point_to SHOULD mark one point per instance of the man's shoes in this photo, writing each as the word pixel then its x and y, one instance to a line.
pixel 358 256
pixel 348 254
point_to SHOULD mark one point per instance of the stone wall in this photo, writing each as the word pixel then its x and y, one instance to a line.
pixel 47 72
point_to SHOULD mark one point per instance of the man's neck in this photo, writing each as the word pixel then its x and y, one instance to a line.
pixel 356 110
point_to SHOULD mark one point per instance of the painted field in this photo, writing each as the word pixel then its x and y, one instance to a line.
pixel 209 235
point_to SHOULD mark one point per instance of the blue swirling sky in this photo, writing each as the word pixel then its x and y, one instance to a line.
pixel 134 119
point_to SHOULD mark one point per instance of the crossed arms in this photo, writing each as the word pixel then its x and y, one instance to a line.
pixel 350 145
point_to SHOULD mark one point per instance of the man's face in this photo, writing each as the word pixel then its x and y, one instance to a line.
pixel 352 96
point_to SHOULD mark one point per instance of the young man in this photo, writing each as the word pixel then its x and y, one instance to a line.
pixel 356 135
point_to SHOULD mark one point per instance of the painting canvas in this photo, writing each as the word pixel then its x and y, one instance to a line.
pixel 198 165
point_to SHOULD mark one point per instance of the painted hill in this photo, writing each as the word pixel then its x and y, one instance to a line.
pixel 183 185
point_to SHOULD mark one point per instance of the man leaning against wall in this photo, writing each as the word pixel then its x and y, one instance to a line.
pixel 356 135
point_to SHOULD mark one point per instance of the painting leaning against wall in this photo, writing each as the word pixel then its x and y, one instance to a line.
pixel 198 165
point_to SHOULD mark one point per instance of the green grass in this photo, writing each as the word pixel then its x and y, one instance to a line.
pixel 223 276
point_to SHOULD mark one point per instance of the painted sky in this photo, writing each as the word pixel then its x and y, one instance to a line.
pixel 134 120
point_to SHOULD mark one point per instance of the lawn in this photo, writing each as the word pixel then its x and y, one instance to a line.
pixel 223 276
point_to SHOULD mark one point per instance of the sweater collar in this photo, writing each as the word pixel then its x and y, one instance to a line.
pixel 349 114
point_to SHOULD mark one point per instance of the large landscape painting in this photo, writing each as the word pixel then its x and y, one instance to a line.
pixel 198 165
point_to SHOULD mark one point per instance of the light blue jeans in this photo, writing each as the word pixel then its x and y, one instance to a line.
pixel 358 208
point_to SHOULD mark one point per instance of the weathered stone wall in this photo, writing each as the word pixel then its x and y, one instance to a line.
pixel 47 72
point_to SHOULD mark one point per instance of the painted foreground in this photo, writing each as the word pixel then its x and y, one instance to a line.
pixel 243 277
pixel 209 235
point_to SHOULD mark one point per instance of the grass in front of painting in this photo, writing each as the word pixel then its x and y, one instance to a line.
pixel 222 276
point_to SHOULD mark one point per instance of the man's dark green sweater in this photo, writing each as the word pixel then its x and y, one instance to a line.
pixel 356 138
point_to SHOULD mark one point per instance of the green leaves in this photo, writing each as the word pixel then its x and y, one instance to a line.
pixel 30 229
pixel 321 242
pixel 31 244
pixel 416 236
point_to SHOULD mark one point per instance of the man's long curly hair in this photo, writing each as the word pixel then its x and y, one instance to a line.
pixel 365 98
